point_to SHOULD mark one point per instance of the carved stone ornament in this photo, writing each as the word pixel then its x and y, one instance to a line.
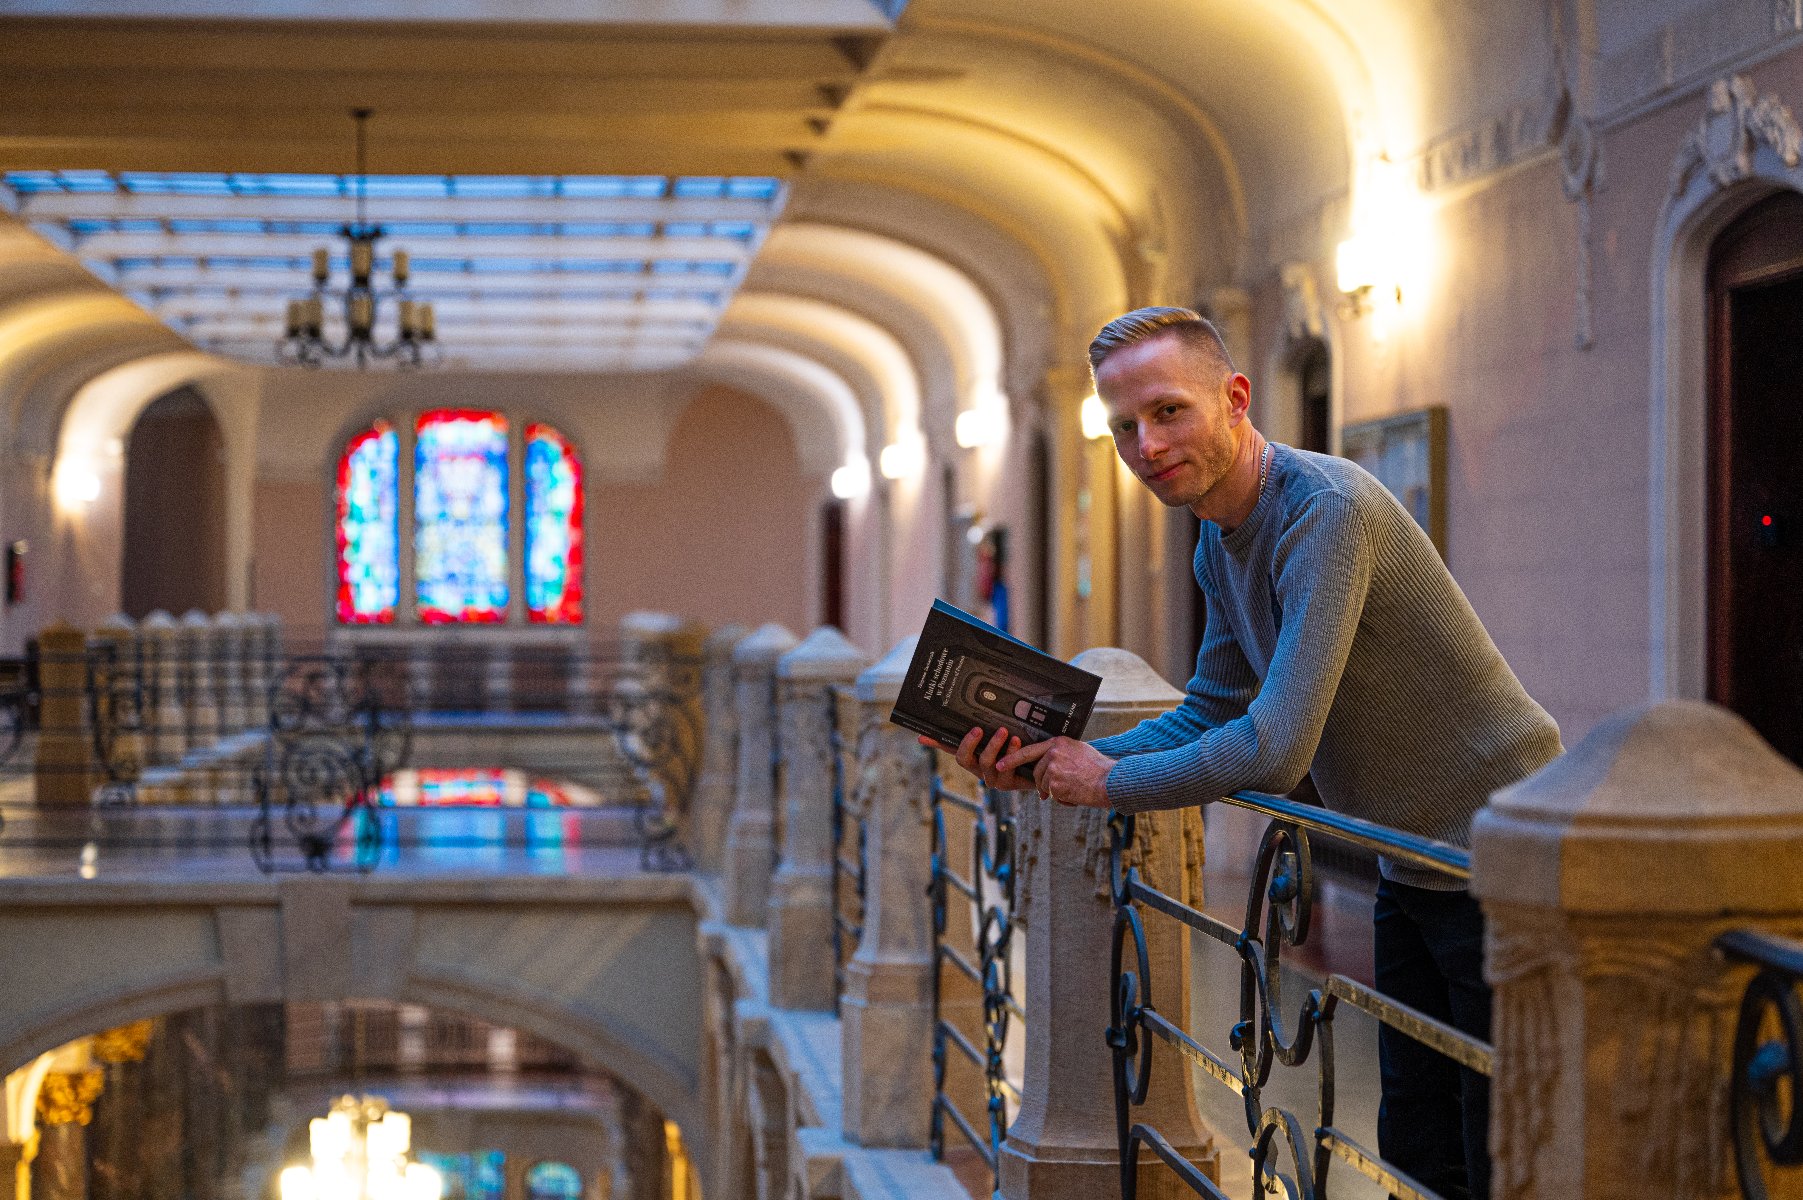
pixel 1738 121
pixel 1302 317
pixel 126 1044
pixel 67 1097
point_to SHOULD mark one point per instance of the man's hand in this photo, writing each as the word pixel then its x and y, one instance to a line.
pixel 1066 770
pixel 977 754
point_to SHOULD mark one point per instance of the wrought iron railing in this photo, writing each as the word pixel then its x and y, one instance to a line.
pixel 1767 1085
pixel 849 864
pixel 93 739
pixel 1280 898
pixel 986 908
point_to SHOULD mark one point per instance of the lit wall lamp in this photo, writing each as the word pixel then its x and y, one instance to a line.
pixel 853 479
pixel 1382 257
pixel 984 425
pixel 903 459
pixel 76 484
pixel 1094 416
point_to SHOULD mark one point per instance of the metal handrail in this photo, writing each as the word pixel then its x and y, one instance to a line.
pixel 1766 1087
pixel 1280 898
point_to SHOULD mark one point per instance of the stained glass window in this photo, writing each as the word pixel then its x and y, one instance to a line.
pixel 553 528
pixel 460 516
pixel 553 1181
pixel 368 527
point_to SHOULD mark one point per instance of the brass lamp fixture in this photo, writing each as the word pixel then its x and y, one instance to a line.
pixel 305 342
pixel 359 1152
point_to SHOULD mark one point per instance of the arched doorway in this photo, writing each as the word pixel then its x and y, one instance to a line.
pixel 1314 397
pixel 1755 498
pixel 174 551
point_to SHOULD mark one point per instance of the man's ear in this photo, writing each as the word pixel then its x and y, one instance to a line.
pixel 1239 396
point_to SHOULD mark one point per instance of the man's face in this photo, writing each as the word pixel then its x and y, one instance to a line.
pixel 1172 413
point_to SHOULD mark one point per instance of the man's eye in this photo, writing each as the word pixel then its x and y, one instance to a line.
pixel 1169 410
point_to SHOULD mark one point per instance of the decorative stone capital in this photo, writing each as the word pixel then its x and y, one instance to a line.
pixel 1736 123
pixel 1606 878
pixel 825 655
pixel 881 682
pixel 67 1097
pixel 760 651
pixel 124 1044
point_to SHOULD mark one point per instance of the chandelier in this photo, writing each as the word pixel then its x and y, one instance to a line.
pixel 359 1152
pixel 305 341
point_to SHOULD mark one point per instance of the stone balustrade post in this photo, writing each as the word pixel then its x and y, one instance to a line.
pixel 121 672
pixel 497 678
pixel 1606 878
pixel 15 1168
pixel 228 668
pixel 167 725
pixel 1062 1141
pixel 751 832
pixel 65 770
pixel 663 654
pixel 259 630
pixel 202 680
pixel 887 1010
pixel 801 891
pixel 712 803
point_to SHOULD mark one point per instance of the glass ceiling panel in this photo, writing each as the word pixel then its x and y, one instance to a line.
pixel 154 233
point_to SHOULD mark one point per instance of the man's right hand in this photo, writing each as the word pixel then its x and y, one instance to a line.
pixel 977 754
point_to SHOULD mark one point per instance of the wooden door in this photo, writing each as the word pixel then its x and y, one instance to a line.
pixel 1755 519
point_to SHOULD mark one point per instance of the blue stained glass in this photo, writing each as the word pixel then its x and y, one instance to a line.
pixel 553 528
pixel 460 514
pixel 553 1181
pixel 368 527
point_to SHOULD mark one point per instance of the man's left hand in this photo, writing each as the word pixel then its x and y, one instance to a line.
pixel 1064 769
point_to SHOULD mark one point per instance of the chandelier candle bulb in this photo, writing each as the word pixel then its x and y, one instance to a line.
pixel 428 322
pixel 400 268
pixel 322 265
pixel 408 327
pixel 316 315
pixel 363 259
pixel 296 317
pixel 362 312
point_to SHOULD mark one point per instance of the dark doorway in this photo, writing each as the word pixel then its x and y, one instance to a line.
pixel 832 563
pixel 1314 373
pixel 174 557
pixel 1755 642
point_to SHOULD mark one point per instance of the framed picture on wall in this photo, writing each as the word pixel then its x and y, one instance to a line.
pixel 1407 453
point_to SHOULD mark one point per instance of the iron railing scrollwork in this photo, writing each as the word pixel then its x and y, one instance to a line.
pixel 115 699
pixel 1766 1109
pixel 849 874
pixel 988 898
pixel 653 716
pixel 1290 1157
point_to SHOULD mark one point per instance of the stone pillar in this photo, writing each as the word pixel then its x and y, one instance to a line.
pixel 15 1165
pixel 259 631
pixel 228 667
pixel 167 730
pixel 202 684
pixel 1606 878
pixel 65 770
pixel 65 1107
pixel 647 1155
pixel 887 1010
pixel 751 833
pixel 1062 1141
pixel 712 802
pixel 116 1131
pixel 801 892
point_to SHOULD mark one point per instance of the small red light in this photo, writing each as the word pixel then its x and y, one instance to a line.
pixel 1766 520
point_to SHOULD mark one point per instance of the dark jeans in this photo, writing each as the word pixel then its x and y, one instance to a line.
pixel 1435 1117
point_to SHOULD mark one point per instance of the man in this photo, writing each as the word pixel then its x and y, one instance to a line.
pixel 1337 644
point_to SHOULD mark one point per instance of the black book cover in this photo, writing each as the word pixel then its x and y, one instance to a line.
pixel 968 673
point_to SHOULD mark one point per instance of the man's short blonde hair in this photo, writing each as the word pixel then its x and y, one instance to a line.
pixel 1195 331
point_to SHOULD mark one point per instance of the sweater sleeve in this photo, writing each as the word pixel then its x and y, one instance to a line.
pixel 1321 573
pixel 1221 689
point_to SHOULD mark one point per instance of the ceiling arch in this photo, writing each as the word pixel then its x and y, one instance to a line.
pixel 822 410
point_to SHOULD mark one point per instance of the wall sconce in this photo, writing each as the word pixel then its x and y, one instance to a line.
pixel 1381 258
pixel 984 423
pixel 904 459
pixel 76 484
pixel 1094 416
pixel 853 479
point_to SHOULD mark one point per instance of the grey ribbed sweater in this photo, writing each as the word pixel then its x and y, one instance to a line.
pixel 1337 643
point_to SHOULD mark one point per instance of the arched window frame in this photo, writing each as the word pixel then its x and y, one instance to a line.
pixel 407 613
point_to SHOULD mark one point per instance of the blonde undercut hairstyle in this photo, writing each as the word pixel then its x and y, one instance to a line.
pixel 1195 331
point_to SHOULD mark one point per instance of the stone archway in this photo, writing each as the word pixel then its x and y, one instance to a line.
pixel 174 545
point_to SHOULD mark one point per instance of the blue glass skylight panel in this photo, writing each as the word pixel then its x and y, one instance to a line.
pixel 171 183
pixel 217 225
pixel 30 183
pixel 608 228
pixel 503 185
pixel 656 293
pixel 403 185
pixel 87 181
pixel 683 266
pixel 738 231
pixel 752 187
pixel 419 229
pixel 637 187
pixel 289 185
pixel 303 228
pixel 701 187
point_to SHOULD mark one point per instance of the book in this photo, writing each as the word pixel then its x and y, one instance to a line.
pixel 967 673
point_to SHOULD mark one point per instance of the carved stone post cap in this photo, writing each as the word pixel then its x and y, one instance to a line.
pixel 825 654
pixel 722 640
pixel 159 622
pixel 119 623
pixel 763 647
pixel 1131 690
pixel 881 682
pixel 1670 808
pixel 646 624
pixel 61 631
pixel 228 620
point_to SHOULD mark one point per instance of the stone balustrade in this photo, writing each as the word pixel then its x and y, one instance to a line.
pixel 1608 879
pixel 160 711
